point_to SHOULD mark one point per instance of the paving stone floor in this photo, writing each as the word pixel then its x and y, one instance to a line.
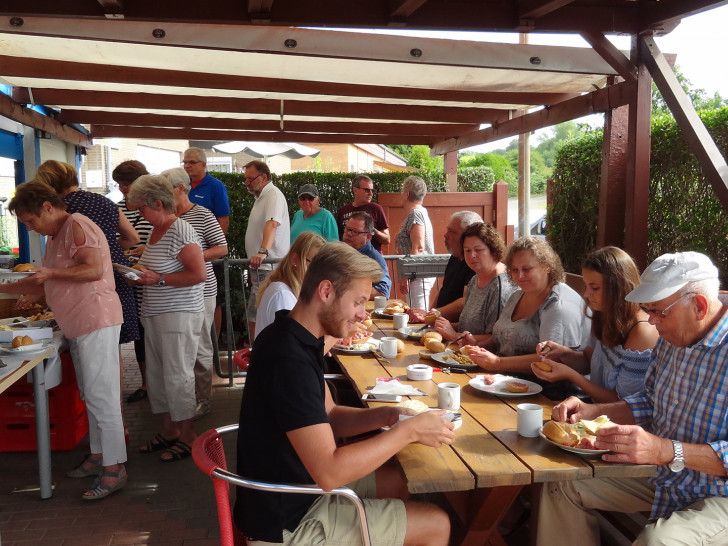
pixel 169 504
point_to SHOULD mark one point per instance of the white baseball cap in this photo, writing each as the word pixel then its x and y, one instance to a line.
pixel 669 273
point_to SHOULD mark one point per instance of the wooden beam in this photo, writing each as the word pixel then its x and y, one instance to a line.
pixel 112 7
pixel 328 109
pixel 94 117
pixel 17 112
pixel 601 100
pixel 669 13
pixel 611 54
pixel 537 9
pixel 77 71
pixel 701 143
pixel 115 131
pixel 637 177
pixel 401 10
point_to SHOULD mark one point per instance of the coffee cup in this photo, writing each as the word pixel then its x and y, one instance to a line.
pixel 400 320
pixel 388 347
pixel 530 419
pixel 448 396
pixel 380 302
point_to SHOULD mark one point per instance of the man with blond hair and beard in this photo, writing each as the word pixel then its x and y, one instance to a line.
pixel 288 412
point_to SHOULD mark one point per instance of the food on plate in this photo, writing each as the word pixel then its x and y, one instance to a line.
pixel 140 267
pixel 19 341
pixel 356 339
pixel 426 354
pixel 367 321
pixel 581 434
pixel 465 349
pixel 516 386
pixel 430 335
pixel 431 316
pixel 400 346
pixel 417 405
pixel 542 365
pixel 435 346
pixel 23 268
pixel 416 316
pixel 462 359
pixel 41 316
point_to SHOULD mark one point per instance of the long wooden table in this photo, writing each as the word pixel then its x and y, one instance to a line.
pixel 17 367
pixel 487 458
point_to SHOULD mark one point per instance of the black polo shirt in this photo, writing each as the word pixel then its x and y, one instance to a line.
pixel 457 276
pixel 284 391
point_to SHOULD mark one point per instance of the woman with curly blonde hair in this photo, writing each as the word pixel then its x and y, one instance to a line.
pixel 544 308
pixel 280 290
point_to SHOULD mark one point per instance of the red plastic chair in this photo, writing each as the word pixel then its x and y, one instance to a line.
pixel 209 456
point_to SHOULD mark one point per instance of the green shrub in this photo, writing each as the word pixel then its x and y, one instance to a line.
pixel 684 213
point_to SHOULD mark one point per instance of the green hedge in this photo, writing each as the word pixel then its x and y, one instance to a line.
pixel 684 213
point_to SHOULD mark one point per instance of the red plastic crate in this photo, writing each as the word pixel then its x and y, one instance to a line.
pixel 68 419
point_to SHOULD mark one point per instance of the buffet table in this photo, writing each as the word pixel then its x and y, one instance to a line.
pixel 488 463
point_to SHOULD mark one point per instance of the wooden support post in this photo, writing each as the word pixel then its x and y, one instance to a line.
pixel 451 171
pixel 610 229
pixel 638 163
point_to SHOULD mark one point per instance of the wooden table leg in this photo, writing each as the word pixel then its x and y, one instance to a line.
pixel 483 513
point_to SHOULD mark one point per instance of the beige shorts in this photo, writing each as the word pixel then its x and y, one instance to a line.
pixel 334 520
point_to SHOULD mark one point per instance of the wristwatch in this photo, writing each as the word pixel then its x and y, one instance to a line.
pixel 161 282
pixel 263 251
pixel 678 463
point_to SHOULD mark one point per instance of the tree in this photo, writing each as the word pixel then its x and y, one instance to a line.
pixel 698 97
pixel 502 168
pixel 419 158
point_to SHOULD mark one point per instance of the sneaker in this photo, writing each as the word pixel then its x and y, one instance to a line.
pixel 202 409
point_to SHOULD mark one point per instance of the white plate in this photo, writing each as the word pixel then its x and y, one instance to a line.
pixel 458 422
pixel 23 349
pixel 8 275
pixel 360 348
pixel 381 313
pixel 579 450
pixel 411 332
pixel 13 321
pixel 445 359
pixel 499 387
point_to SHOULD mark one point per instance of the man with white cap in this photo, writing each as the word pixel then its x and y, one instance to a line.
pixel 679 422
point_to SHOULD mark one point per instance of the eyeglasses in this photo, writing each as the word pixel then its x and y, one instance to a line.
pixel 190 162
pixel 251 180
pixel 368 190
pixel 306 197
pixel 350 230
pixel 662 313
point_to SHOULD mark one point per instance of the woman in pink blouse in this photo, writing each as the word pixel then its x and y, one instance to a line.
pixel 77 280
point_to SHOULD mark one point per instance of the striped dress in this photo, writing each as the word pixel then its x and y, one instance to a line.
pixel 162 258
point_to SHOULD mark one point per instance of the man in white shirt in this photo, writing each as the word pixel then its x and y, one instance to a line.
pixel 269 232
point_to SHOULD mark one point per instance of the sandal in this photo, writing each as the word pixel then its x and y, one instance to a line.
pixel 100 490
pixel 88 467
pixel 158 443
pixel 177 452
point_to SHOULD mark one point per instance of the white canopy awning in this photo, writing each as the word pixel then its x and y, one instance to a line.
pixel 267 149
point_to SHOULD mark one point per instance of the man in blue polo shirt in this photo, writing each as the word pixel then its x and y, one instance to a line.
pixel 206 190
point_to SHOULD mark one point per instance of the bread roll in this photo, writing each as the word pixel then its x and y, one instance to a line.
pixel 516 386
pixel 416 405
pixel 430 335
pixel 561 433
pixel 17 341
pixel 435 346
pixel 542 365
pixel 27 340
pixel 400 346
pixel 425 354
pixel 22 268
pixel 432 316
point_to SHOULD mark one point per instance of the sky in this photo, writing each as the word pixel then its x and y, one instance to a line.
pixel 698 42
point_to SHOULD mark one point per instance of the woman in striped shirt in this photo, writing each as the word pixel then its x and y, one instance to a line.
pixel 172 314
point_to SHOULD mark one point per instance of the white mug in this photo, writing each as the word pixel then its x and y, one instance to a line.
pixel 530 419
pixel 448 396
pixel 388 346
pixel 400 320
pixel 380 302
